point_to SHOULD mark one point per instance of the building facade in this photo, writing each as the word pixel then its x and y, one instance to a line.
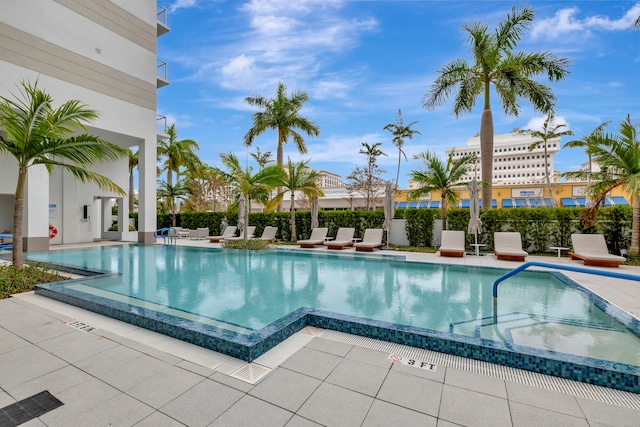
pixel 103 53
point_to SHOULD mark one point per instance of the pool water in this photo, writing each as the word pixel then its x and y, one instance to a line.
pixel 245 291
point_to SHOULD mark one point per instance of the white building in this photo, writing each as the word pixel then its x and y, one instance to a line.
pixel 330 179
pixel 103 53
pixel 513 163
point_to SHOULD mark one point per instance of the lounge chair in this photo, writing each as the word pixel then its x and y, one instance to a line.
pixel 371 240
pixel 452 243
pixel 249 230
pixel 508 246
pixel 6 247
pixel 199 233
pixel 317 238
pixel 269 233
pixel 344 238
pixel 230 231
pixel 592 250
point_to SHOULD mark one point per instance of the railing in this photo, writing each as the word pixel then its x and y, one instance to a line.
pixel 161 123
pixel 161 13
pixel 161 69
pixel 168 235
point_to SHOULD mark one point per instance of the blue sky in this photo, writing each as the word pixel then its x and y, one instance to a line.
pixel 361 61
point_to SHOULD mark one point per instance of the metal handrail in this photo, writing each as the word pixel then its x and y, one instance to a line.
pixel 561 267
pixel 165 235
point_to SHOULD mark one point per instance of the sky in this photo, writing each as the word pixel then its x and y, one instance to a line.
pixel 361 61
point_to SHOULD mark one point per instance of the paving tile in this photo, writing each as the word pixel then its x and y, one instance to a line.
pixel 14 364
pixel 438 375
pixel 331 405
pixel 611 415
pixel 443 423
pixel 195 368
pixel 158 419
pixel 298 421
pixel 35 327
pixel 107 360
pixel 35 422
pixel 383 414
pixel 419 394
pixel 252 412
pixel 5 399
pixel 358 376
pixel 329 346
pixel 202 404
pixel 122 410
pixel 545 399
pixel 10 341
pixel 530 416
pixel 476 382
pixel 160 389
pixel 312 362
pixel 471 408
pixel 372 357
pixel 55 382
pixel 285 388
pixel 133 372
pixel 243 386
pixel 76 345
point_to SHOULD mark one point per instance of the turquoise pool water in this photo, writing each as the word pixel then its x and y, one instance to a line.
pixel 246 291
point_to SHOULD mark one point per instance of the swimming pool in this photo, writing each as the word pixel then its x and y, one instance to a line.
pixel 243 303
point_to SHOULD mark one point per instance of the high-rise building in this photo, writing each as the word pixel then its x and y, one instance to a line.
pixel 103 53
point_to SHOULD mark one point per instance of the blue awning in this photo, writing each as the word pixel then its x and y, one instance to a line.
pixel 494 203
pixel 464 204
pixel 548 202
pixel 507 203
pixel 581 201
pixel 568 202
pixel 435 204
pixel 521 203
pixel 402 205
pixel 413 205
pixel 619 200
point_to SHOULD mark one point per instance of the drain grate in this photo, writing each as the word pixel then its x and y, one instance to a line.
pixel 251 373
pixel 28 409
pixel 78 325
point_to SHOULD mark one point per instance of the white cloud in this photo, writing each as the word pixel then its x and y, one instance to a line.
pixel 537 123
pixel 181 4
pixel 566 21
pixel 238 71
pixel 338 149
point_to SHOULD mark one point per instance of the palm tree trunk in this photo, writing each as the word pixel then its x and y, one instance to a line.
pixel 398 173
pixel 443 211
pixel 131 201
pixel 546 171
pixel 634 250
pixel 17 219
pixel 293 219
pixel 486 154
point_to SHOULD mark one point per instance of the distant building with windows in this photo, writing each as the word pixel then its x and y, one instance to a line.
pixel 330 179
pixel 513 163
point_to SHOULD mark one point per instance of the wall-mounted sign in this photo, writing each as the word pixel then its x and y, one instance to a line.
pixel 53 210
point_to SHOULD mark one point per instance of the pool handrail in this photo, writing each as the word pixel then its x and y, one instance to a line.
pixel 526 265
pixel 164 234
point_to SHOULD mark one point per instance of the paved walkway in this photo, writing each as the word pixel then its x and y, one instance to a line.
pixel 117 374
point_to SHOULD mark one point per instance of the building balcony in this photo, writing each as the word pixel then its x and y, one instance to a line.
pixel 162 27
pixel 161 127
pixel 161 74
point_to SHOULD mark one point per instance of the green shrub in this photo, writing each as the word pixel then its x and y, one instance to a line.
pixel 13 281
pixel 252 244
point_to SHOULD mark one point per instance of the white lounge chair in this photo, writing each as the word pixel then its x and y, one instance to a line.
pixel 269 233
pixel 228 232
pixel 317 237
pixel 199 233
pixel 452 243
pixel 592 250
pixel 344 238
pixel 249 230
pixel 508 246
pixel 371 240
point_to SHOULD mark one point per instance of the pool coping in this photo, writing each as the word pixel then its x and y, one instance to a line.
pixel 249 347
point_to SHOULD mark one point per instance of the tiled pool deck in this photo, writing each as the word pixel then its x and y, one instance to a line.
pixel 118 374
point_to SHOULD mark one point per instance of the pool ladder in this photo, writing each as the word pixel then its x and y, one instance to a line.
pixel 168 235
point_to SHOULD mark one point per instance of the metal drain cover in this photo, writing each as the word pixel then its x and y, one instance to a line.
pixel 28 409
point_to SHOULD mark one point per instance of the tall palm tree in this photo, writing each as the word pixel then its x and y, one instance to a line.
pixel 36 133
pixel 302 179
pixel 172 193
pixel 178 153
pixel 550 130
pixel 588 142
pixel 400 132
pixel 282 114
pixel 205 184
pixel 619 160
pixel 512 74
pixel 133 163
pixel 440 176
pixel 263 159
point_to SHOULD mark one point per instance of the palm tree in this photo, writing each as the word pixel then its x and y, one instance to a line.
pixel 299 178
pixel 281 113
pixel 550 130
pixel 511 73
pixel 205 184
pixel 256 186
pixel 171 193
pixel 372 172
pixel 438 176
pixel 400 132
pixel 619 159
pixel 36 133
pixel 263 159
pixel 178 154
pixel 133 163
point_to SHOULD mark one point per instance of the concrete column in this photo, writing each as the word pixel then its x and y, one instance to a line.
pixel 147 216
pixel 35 219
